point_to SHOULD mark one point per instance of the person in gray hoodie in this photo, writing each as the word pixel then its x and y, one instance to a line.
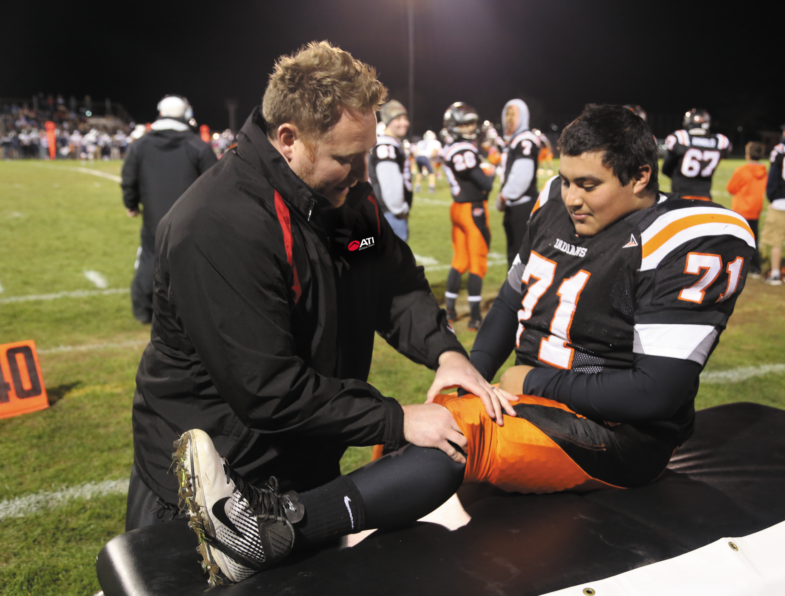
pixel 519 192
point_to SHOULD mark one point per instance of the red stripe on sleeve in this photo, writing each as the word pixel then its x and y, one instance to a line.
pixel 372 199
pixel 286 226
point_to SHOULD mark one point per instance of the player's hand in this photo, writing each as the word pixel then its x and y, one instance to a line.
pixel 132 212
pixel 455 370
pixel 513 378
pixel 432 425
pixel 501 203
pixel 488 168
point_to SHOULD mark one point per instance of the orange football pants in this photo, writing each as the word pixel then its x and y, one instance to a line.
pixel 516 457
pixel 471 237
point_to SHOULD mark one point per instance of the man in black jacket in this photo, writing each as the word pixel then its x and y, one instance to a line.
pixel 159 168
pixel 273 272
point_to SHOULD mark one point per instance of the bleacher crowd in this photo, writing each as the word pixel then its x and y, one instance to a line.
pixel 78 135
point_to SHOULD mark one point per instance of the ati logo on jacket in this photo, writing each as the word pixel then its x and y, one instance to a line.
pixel 361 244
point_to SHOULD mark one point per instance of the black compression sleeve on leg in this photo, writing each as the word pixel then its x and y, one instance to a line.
pixel 453 281
pixel 401 487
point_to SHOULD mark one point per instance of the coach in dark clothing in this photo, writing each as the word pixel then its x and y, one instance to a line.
pixel 158 168
pixel 273 273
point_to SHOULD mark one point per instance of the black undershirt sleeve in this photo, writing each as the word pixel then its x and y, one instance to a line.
pixel 479 178
pixel 653 389
pixel 496 338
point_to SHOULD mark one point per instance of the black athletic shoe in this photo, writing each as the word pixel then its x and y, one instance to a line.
pixel 474 325
pixel 452 316
pixel 241 529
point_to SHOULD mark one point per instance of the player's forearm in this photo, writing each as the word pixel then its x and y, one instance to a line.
pixel 482 181
pixel 654 389
pixel 669 164
pixel 496 338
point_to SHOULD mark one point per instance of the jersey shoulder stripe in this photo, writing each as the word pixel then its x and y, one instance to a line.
pixel 778 150
pixel 457 147
pixel 528 135
pixel 683 137
pixel 673 228
pixel 544 194
pixel 722 142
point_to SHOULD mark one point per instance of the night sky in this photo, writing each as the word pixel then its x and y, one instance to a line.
pixel 557 55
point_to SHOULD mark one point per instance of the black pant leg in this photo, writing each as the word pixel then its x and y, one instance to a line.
pixel 516 222
pixel 143 507
pixel 142 285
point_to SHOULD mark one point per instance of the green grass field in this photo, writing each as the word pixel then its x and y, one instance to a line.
pixel 59 221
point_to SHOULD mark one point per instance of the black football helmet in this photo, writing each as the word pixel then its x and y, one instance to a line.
pixel 460 116
pixel 697 118
pixel 637 110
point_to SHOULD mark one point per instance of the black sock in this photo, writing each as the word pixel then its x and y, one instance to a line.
pixel 452 289
pixel 474 285
pixel 335 509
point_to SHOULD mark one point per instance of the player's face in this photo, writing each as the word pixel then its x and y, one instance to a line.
pixel 594 197
pixel 510 120
pixel 336 162
pixel 398 127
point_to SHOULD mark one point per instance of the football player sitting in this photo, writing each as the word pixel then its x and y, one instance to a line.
pixel 614 304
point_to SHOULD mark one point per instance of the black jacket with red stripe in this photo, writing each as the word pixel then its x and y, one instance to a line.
pixel 265 308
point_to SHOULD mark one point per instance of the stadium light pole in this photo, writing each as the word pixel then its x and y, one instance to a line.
pixel 410 7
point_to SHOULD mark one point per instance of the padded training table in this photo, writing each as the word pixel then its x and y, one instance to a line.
pixel 727 480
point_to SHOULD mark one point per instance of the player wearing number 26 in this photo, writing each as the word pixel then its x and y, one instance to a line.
pixel 614 304
pixel 693 155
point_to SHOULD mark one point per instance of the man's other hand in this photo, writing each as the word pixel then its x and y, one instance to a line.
pixel 432 425
pixel 132 212
pixel 455 370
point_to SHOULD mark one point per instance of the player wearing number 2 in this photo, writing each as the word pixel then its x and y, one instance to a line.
pixel 693 155
pixel 471 234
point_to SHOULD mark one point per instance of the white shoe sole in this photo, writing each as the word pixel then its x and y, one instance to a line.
pixel 192 500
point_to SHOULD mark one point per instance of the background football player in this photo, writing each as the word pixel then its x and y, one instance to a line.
pixel 610 360
pixel 388 169
pixel 693 155
pixel 519 191
pixel 427 150
pixel 469 185
pixel 774 228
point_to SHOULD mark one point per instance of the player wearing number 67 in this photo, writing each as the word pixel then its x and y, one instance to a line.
pixel 693 155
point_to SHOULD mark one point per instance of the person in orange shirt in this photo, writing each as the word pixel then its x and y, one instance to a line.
pixel 748 185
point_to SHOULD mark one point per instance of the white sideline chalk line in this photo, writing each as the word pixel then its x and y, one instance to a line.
pixel 98 279
pixel 74 294
pixel 35 502
pixel 442 267
pixel 2 289
pixel 736 375
pixel 96 173
pixel 432 201
pixel 425 260
pixel 86 348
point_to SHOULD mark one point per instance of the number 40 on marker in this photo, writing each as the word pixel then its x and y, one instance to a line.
pixel 21 384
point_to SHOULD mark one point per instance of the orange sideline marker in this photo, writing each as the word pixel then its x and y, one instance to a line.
pixel 21 384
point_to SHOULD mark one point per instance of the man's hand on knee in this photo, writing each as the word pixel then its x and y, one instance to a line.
pixel 455 370
pixel 432 425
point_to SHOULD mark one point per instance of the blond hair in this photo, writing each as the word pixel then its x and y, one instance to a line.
pixel 313 87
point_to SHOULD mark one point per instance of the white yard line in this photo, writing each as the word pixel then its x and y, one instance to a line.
pixel 96 173
pixel 42 500
pixel 75 294
pixel 432 201
pixel 425 260
pixel 2 289
pixel 737 375
pixel 443 267
pixel 89 347
pixel 98 279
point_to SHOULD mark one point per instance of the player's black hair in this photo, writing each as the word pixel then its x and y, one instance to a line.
pixel 625 138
